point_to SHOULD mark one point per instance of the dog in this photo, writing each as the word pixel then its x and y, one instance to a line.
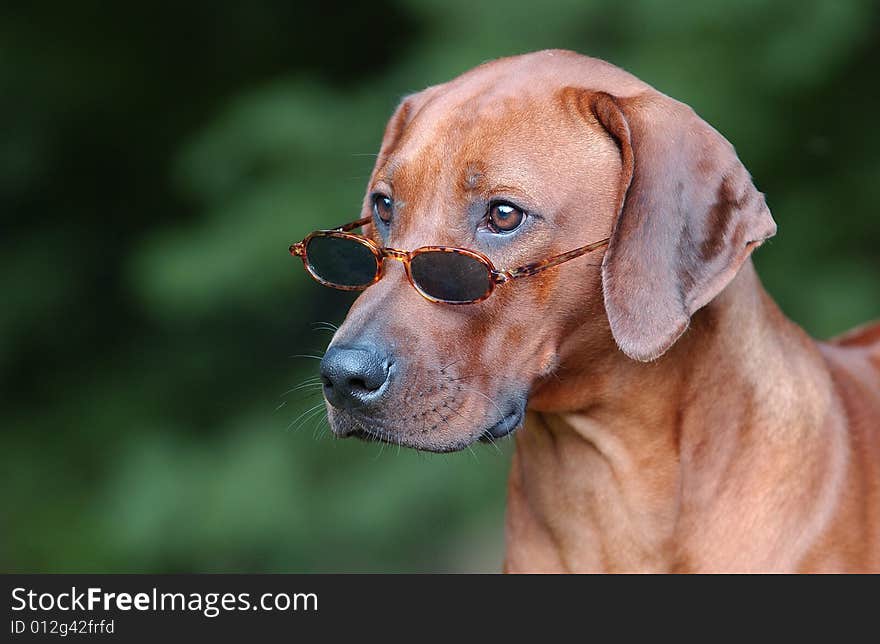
pixel 674 420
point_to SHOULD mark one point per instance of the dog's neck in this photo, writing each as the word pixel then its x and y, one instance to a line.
pixel 648 471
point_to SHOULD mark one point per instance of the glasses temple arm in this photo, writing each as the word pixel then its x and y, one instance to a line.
pixel 355 224
pixel 299 248
pixel 542 265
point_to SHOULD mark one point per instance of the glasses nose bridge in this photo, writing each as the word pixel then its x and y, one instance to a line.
pixel 394 253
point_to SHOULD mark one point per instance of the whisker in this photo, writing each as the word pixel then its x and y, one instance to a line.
pixel 308 394
pixel 322 432
pixel 324 326
pixel 446 422
pixel 456 361
pixel 311 417
pixel 473 375
pixel 309 382
pixel 491 440
pixel 302 355
pixel 480 393
pixel 318 426
pixel 306 385
pixel 488 436
pixel 310 409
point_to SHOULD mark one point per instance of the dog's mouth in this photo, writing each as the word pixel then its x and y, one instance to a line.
pixel 366 429
pixel 379 435
pixel 504 426
pixel 371 435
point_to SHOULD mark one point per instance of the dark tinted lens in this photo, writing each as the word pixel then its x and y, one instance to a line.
pixel 451 277
pixel 341 261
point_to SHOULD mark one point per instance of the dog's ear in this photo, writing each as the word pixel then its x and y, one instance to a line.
pixel 394 131
pixel 689 217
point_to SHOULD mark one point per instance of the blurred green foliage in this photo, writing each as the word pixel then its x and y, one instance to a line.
pixel 155 163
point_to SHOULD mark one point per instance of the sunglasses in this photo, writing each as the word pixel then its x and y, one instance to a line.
pixel 443 274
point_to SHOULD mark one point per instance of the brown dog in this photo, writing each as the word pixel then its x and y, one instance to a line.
pixel 677 420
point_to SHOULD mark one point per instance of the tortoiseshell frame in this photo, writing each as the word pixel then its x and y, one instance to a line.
pixel 380 253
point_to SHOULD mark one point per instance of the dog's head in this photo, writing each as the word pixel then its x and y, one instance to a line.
pixel 522 159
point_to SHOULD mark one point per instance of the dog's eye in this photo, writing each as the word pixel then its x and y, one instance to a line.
pixel 382 208
pixel 504 217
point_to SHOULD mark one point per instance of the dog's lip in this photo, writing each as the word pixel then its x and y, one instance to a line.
pixel 504 426
pixel 373 435
pixel 368 434
pixel 364 428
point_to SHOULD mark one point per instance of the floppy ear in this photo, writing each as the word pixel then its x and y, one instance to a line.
pixel 406 111
pixel 394 131
pixel 689 217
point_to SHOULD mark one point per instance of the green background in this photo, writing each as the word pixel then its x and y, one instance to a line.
pixel 156 160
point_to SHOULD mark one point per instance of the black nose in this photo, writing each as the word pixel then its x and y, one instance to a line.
pixel 354 376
